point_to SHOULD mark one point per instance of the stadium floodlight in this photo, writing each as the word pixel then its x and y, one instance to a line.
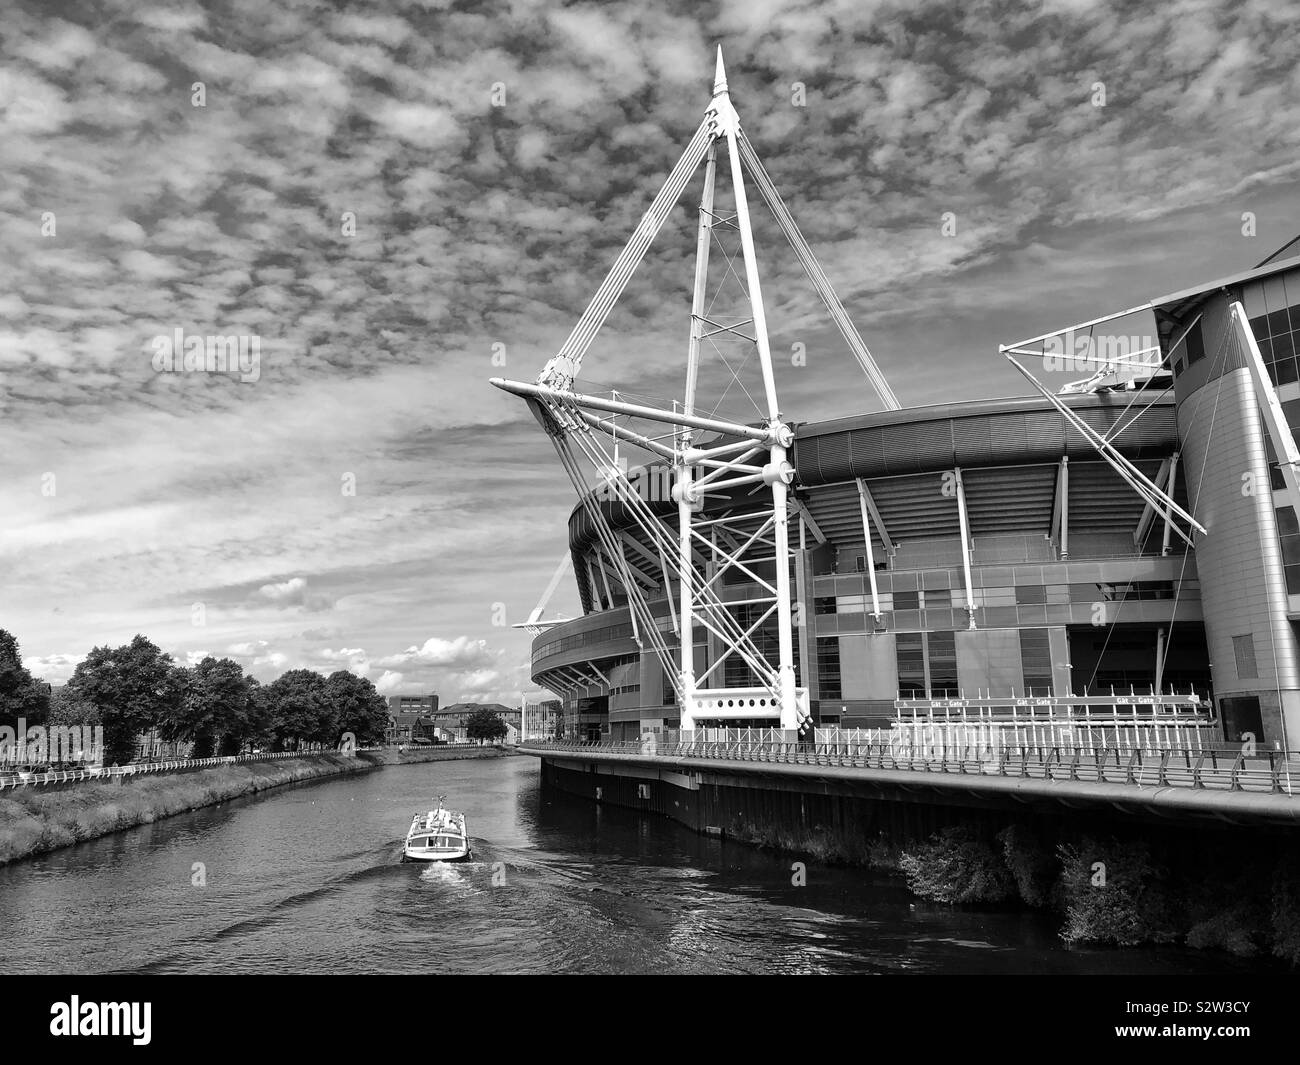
pixel 709 455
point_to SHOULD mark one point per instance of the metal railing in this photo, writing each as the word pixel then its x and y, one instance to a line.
pixel 1266 771
pixel 39 776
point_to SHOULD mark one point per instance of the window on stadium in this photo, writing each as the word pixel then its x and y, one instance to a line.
pixel 1288 534
pixel 828 668
pixel 910 655
pixel 1278 336
pixel 1036 661
pixel 941 655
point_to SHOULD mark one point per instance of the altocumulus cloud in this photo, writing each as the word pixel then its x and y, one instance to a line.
pixel 476 228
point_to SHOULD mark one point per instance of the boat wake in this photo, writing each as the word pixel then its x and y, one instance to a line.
pixel 441 873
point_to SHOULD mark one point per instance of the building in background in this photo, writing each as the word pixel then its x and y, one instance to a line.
pixel 984 553
pixel 540 716
pixel 453 719
pixel 411 719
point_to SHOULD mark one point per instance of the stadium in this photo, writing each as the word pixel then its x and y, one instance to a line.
pixel 1123 550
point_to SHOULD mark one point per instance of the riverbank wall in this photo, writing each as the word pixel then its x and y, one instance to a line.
pixel 1111 878
pixel 38 819
pixel 414 755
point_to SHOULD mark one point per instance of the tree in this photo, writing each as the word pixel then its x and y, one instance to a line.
pixel 360 708
pixel 134 687
pixel 300 710
pixel 70 709
pixel 20 694
pixel 215 703
pixel 256 725
pixel 485 724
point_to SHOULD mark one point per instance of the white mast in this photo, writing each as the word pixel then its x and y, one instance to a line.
pixel 705 545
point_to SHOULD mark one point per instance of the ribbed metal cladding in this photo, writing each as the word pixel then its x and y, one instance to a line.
pixel 915 508
pixel 973 440
pixel 837 511
pixel 914 448
pixel 867 448
pixel 1012 432
pixel 1045 432
pixel 929 440
pixel 1010 499
pixel 1100 501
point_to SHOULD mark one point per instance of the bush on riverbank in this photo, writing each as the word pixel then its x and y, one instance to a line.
pixel 957 866
pixel 1115 893
pixel 1217 891
pixel 1031 866
pixel 36 820
pixel 818 843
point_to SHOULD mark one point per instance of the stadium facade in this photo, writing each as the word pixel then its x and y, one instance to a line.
pixel 988 554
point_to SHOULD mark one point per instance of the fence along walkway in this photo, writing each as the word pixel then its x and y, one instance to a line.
pixel 36 777
pixel 1186 767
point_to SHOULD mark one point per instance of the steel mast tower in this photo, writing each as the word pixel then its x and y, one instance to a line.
pixel 695 556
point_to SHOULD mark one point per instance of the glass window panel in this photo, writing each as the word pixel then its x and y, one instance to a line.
pixel 942 649
pixel 1286 371
pixel 1278 322
pixel 910 654
pixel 1030 594
pixel 907 600
pixel 828 667
pixel 1036 661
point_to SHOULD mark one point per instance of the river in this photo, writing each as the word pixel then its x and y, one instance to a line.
pixel 306 879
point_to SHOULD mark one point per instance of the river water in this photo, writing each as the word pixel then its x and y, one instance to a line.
pixel 306 879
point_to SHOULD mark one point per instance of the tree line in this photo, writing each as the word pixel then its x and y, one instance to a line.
pixel 214 704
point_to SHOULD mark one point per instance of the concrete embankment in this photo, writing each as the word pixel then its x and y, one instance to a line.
pixel 34 820
pixel 391 756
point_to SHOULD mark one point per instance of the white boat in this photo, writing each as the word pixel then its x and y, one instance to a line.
pixel 437 836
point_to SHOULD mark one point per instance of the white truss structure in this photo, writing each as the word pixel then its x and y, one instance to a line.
pixel 1158 497
pixel 535 626
pixel 708 455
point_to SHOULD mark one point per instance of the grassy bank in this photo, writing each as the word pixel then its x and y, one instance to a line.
pixel 36 820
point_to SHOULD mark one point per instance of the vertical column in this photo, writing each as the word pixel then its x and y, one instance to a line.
pixel 778 473
pixel 965 547
pixel 1169 489
pixel 871 554
pixel 685 593
pixel 683 491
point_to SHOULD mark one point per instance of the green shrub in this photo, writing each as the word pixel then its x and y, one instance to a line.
pixel 956 866
pixel 1285 900
pixel 1032 866
pixel 1115 894
pixel 1231 930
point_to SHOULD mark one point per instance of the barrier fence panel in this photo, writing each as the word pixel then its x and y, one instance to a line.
pixel 1162 756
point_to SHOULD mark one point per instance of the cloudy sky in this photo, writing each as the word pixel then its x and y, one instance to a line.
pixel 388 196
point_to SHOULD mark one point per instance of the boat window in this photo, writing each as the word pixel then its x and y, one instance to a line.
pixel 448 841
pixel 420 841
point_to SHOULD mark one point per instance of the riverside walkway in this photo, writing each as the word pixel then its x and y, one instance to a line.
pixel 1260 788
